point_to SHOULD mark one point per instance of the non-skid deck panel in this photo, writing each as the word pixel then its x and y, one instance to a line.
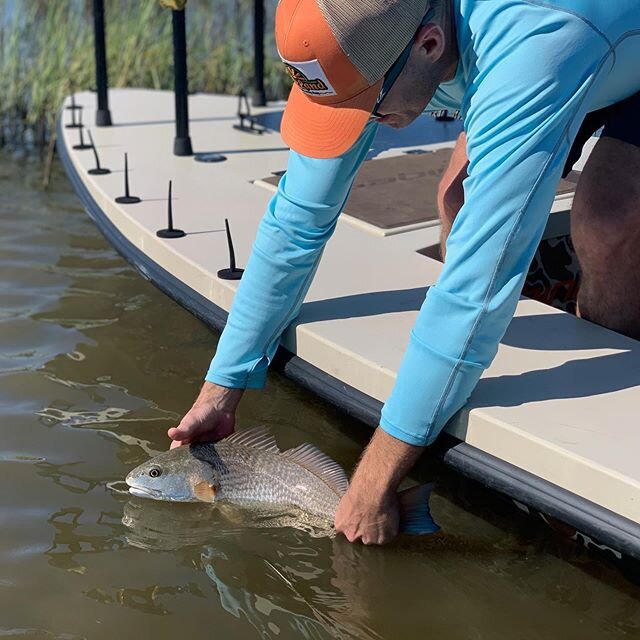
pixel 400 191
pixel 559 401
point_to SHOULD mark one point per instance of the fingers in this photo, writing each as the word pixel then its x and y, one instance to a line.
pixel 368 538
pixel 369 533
pixel 368 526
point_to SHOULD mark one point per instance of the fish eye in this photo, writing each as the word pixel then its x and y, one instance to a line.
pixel 155 472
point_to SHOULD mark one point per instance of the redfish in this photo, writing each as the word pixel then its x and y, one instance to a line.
pixel 247 469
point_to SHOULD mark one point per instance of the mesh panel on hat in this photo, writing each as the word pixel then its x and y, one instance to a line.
pixel 373 33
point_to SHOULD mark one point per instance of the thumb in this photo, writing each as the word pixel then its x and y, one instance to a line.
pixel 182 434
pixel 178 437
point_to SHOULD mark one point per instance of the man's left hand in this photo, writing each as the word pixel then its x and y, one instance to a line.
pixel 371 519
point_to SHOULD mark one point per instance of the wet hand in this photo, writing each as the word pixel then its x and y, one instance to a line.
pixel 211 418
pixel 369 519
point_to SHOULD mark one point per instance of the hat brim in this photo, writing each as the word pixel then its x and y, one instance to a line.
pixel 326 131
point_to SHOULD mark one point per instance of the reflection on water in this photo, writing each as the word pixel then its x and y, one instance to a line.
pixel 96 364
pixel 173 525
pixel 165 526
pixel 69 544
pixel 264 572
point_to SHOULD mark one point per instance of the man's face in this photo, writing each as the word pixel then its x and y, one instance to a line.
pixel 414 88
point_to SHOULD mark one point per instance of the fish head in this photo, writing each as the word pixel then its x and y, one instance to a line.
pixel 175 475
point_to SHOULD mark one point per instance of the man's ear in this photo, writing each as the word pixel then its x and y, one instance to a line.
pixel 431 40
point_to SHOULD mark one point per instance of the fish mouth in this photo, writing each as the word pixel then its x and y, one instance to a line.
pixel 143 492
pixel 155 494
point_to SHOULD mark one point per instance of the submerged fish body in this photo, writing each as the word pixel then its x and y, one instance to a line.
pixel 249 470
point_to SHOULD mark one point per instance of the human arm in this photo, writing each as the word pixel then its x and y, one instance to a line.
pixel 520 122
pixel 299 220
pixel 450 196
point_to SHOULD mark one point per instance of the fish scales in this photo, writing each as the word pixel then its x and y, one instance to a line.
pixel 250 475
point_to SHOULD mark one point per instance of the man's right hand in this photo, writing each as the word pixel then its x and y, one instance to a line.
pixel 212 416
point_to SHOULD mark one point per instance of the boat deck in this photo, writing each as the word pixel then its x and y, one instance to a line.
pixel 561 399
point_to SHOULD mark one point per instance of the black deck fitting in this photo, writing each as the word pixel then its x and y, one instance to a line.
pixel 258 97
pixel 209 157
pixel 182 141
pixel 74 124
pixel 247 121
pixel 232 273
pixel 73 106
pixel 127 198
pixel 82 145
pixel 170 232
pixel 103 115
pixel 98 171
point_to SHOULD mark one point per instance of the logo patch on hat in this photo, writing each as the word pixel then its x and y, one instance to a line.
pixel 310 77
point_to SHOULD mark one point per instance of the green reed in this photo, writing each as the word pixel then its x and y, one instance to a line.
pixel 46 51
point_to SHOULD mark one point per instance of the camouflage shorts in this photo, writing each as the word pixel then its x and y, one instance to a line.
pixel 554 274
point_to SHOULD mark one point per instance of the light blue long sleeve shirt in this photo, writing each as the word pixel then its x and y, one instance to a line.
pixel 528 73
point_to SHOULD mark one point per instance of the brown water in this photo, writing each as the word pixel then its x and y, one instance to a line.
pixel 96 364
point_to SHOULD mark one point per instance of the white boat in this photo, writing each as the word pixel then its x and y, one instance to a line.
pixel 553 422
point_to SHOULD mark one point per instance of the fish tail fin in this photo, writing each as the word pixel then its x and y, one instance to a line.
pixel 415 515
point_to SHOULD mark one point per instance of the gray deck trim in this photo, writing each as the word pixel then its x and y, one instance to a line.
pixel 605 527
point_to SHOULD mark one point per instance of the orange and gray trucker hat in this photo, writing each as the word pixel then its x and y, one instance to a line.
pixel 337 52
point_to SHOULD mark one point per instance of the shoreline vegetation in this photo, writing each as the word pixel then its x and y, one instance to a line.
pixel 47 52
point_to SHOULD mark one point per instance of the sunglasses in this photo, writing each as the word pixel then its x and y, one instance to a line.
pixel 397 67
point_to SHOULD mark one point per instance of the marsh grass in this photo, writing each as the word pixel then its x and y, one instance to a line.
pixel 46 52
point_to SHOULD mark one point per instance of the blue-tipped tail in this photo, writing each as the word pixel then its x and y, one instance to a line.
pixel 415 515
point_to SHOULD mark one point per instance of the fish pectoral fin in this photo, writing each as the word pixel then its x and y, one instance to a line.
pixel 205 491
pixel 415 515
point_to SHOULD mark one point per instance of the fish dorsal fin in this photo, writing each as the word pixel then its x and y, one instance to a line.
pixel 321 465
pixel 255 438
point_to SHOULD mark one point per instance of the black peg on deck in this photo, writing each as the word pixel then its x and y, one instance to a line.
pixel 170 232
pixel 82 145
pixel 98 171
pixel 74 124
pixel 73 106
pixel 127 198
pixel 232 273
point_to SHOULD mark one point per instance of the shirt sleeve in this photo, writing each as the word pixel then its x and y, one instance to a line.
pixel 299 220
pixel 521 117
